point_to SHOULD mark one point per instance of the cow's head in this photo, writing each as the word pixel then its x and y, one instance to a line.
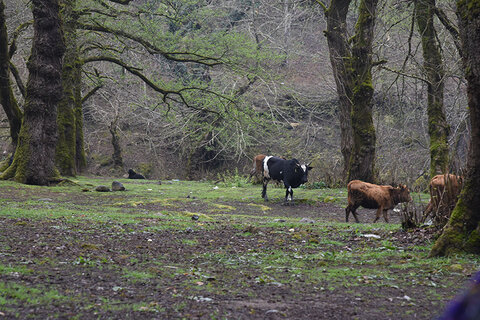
pixel 401 194
pixel 304 168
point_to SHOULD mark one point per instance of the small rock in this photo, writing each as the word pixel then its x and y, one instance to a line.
pixel 117 186
pixel 370 235
pixel 280 220
pixel 102 189
pixel 189 230
pixel 271 311
pixel 195 217
pixel 306 220
pixel 202 299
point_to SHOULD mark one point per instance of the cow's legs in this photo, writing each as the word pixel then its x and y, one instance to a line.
pixel 378 214
pixel 385 215
pixel 351 208
pixel 347 213
pixel 289 194
pixel 264 190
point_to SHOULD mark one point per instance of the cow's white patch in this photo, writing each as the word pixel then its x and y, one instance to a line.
pixel 266 173
pixel 304 167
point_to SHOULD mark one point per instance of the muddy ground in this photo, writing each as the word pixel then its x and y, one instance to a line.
pixel 162 268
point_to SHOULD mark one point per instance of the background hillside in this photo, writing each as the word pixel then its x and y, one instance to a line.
pixel 289 109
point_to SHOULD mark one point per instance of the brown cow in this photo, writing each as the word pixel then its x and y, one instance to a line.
pixel 257 165
pixel 441 197
pixel 372 196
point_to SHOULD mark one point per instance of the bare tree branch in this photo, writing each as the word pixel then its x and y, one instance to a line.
pixel 167 94
pixel 323 5
pixel 401 73
pixel 132 70
pixel 16 34
pixel 450 28
pixel 18 79
pixel 153 49
pixel 91 92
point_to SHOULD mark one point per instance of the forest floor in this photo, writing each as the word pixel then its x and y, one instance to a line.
pixel 197 250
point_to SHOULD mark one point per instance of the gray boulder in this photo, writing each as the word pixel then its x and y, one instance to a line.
pixel 102 189
pixel 117 186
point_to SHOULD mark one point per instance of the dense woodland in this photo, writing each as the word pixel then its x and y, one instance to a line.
pixel 262 83
pixel 186 89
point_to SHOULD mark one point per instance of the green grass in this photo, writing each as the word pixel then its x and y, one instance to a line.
pixel 18 294
pixel 14 270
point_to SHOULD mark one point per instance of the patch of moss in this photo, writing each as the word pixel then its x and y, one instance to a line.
pixel 89 246
pixel 222 207
pixel 261 206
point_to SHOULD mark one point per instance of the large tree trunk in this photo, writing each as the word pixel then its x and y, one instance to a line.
pixel 34 161
pixel 462 232
pixel 340 54
pixel 7 99
pixel 66 145
pixel 438 128
pixel 362 160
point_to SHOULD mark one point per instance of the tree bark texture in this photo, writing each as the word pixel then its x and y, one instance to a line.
pixel 340 54
pixel 66 145
pixel 462 232
pixel 438 128
pixel 7 99
pixel 362 160
pixel 80 158
pixel 34 161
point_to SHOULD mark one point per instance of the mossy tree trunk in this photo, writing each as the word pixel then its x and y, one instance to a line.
pixel 362 160
pixel 462 232
pixel 352 68
pixel 80 158
pixel 66 145
pixel 34 160
pixel 117 149
pixel 340 54
pixel 7 99
pixel 438 127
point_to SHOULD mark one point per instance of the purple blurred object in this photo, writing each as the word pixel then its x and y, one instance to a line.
pixel 465 306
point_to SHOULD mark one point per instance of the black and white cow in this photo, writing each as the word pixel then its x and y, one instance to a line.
pixel 289 171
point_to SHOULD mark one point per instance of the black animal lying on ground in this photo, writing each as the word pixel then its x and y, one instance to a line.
pixel 133 175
